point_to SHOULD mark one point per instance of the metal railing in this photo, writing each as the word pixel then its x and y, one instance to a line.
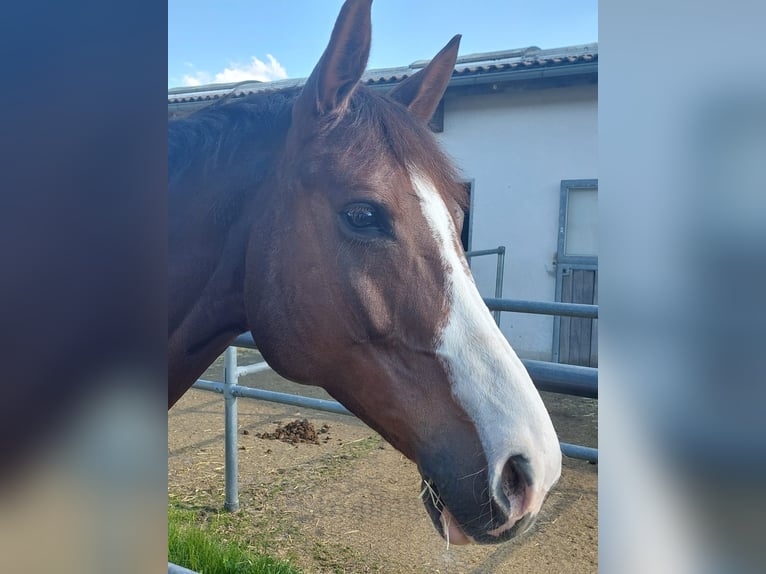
pixel 176 569
pixel 499 273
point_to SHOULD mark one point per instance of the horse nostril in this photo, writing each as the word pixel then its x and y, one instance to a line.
pixel 523 468
pixel 516 478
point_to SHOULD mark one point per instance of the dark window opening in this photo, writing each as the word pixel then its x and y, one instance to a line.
pixel 465 232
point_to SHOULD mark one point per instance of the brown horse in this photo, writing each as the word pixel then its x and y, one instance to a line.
pixel 325 221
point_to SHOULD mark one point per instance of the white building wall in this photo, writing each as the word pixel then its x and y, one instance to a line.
pixel 516 147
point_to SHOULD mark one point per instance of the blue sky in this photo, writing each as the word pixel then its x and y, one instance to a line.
pixel 231 40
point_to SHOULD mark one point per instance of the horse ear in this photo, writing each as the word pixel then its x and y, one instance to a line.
pixel 342 64
pixel 421 92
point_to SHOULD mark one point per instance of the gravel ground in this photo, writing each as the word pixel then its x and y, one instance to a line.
pixel 348 502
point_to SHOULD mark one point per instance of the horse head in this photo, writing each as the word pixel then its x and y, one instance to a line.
pixel 356 281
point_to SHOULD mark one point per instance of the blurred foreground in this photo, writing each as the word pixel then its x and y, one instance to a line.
pixel 682 115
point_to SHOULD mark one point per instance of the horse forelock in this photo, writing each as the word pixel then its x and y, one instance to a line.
pixel 374 125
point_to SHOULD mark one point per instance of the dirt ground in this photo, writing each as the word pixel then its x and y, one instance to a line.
pixel 351 503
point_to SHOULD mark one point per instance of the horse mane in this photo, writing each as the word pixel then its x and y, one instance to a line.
pixel 213 137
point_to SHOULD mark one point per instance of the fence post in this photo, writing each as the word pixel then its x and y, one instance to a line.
pixel 499 279
pixel 230 430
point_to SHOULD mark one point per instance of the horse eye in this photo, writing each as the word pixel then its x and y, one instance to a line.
pixel 362 216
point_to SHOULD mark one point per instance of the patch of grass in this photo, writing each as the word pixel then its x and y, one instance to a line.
pixel 195 543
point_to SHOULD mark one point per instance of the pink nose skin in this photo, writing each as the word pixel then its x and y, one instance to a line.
pixel 451 531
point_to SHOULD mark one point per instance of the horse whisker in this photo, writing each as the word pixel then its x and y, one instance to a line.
pixel 438 504
pixel 478 472
pixel 435 498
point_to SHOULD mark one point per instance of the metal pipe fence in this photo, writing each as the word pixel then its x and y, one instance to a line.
pixel 176 569
pixel 499 273
pixel 543 307
pixel 231 376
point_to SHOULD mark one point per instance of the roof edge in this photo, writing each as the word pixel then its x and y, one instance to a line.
pixel 503 65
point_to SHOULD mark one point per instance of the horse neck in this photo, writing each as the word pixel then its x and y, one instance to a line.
pixel 206 259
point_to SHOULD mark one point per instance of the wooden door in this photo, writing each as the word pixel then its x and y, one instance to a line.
pixel 578 337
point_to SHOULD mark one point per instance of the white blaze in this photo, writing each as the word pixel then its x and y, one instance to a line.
pixel 487 377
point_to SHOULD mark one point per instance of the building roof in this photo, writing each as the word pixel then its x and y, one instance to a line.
pixel 487 67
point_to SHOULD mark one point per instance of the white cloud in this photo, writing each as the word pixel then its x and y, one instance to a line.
pixel 255 70
pixel 196 79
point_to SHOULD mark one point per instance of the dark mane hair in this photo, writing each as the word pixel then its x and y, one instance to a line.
pixel 213 137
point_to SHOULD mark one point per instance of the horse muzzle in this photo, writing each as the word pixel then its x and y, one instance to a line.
pixel 468 509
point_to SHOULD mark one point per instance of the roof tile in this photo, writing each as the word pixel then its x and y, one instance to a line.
pixel 471 64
